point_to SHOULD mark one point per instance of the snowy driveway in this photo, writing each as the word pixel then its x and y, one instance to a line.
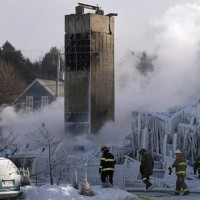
pixel 154 195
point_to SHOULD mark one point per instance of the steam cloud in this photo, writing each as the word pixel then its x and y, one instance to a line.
pixel 175 41
pixel 174 38
pixel 175 80
pixel 24 124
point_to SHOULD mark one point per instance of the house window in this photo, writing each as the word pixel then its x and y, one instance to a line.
pixel 44 101
pixel 29 102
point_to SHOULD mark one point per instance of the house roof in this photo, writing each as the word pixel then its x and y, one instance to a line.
pixel 49 85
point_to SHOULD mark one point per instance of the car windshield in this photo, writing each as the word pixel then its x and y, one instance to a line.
pixel 7 167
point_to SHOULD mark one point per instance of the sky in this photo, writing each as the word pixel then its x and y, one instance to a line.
pixel 167 30
pixel 38 25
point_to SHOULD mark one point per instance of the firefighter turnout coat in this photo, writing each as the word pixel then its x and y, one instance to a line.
pixel 180 165
pixel 197 166
pixel 147 164
pixel 107 162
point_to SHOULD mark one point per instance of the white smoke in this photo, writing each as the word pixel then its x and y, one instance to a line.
pixel 174 38
pixel 26 123
pixel 175 41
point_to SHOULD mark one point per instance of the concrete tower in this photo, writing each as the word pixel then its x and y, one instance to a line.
pixel 89 72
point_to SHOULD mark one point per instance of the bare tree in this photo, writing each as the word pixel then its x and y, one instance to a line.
pixel 7 139
pixel 10 83
pixel 43 137
pixel 60 162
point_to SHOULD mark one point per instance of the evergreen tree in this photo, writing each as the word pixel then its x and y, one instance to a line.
pixel 9 54
pixel 49 64
pixel 46 69
pixel 25 68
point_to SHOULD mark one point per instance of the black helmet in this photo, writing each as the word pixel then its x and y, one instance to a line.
pixel 105 148
pixel 142 151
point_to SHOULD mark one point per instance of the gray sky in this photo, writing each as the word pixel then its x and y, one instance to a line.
pixel 36 25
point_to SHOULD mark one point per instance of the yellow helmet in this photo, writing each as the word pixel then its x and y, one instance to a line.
pixel 178 151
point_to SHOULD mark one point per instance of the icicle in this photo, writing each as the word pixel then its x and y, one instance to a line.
pixel 165 147
pixel 170 153
pixel 174 142
pixel 139 130
pixel 145 139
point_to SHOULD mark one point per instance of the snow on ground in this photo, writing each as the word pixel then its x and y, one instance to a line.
pixel 168 194
pixel 67 192
pixel 168 197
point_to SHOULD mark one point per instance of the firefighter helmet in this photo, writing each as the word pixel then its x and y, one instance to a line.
pixel 142 151
pixel 178 151
pixel 105 148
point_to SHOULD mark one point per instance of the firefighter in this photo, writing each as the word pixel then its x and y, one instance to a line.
pixel 107 165
pixel 146 168
pixel 197 166
pixel 180 166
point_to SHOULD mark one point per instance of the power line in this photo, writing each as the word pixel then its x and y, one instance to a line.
pixel 28 50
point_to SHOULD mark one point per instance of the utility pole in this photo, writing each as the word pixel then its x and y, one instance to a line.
pixel 58 75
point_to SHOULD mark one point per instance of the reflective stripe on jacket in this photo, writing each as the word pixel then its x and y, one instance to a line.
pixel 180 165
pixel 107 162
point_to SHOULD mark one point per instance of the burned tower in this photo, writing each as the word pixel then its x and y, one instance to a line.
pixel 89 73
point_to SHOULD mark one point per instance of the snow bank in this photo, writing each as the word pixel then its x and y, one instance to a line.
pixel 67 192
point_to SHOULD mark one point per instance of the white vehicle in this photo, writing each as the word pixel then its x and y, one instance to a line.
pixel 10 180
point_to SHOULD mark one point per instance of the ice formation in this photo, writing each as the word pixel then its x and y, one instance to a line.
pixel 161 133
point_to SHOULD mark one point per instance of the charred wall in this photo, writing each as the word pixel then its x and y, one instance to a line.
pixel 89 77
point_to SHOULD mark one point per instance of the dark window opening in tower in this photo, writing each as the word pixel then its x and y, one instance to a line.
pixel 77 52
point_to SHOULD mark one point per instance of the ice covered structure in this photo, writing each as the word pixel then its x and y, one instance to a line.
pixel 161 133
